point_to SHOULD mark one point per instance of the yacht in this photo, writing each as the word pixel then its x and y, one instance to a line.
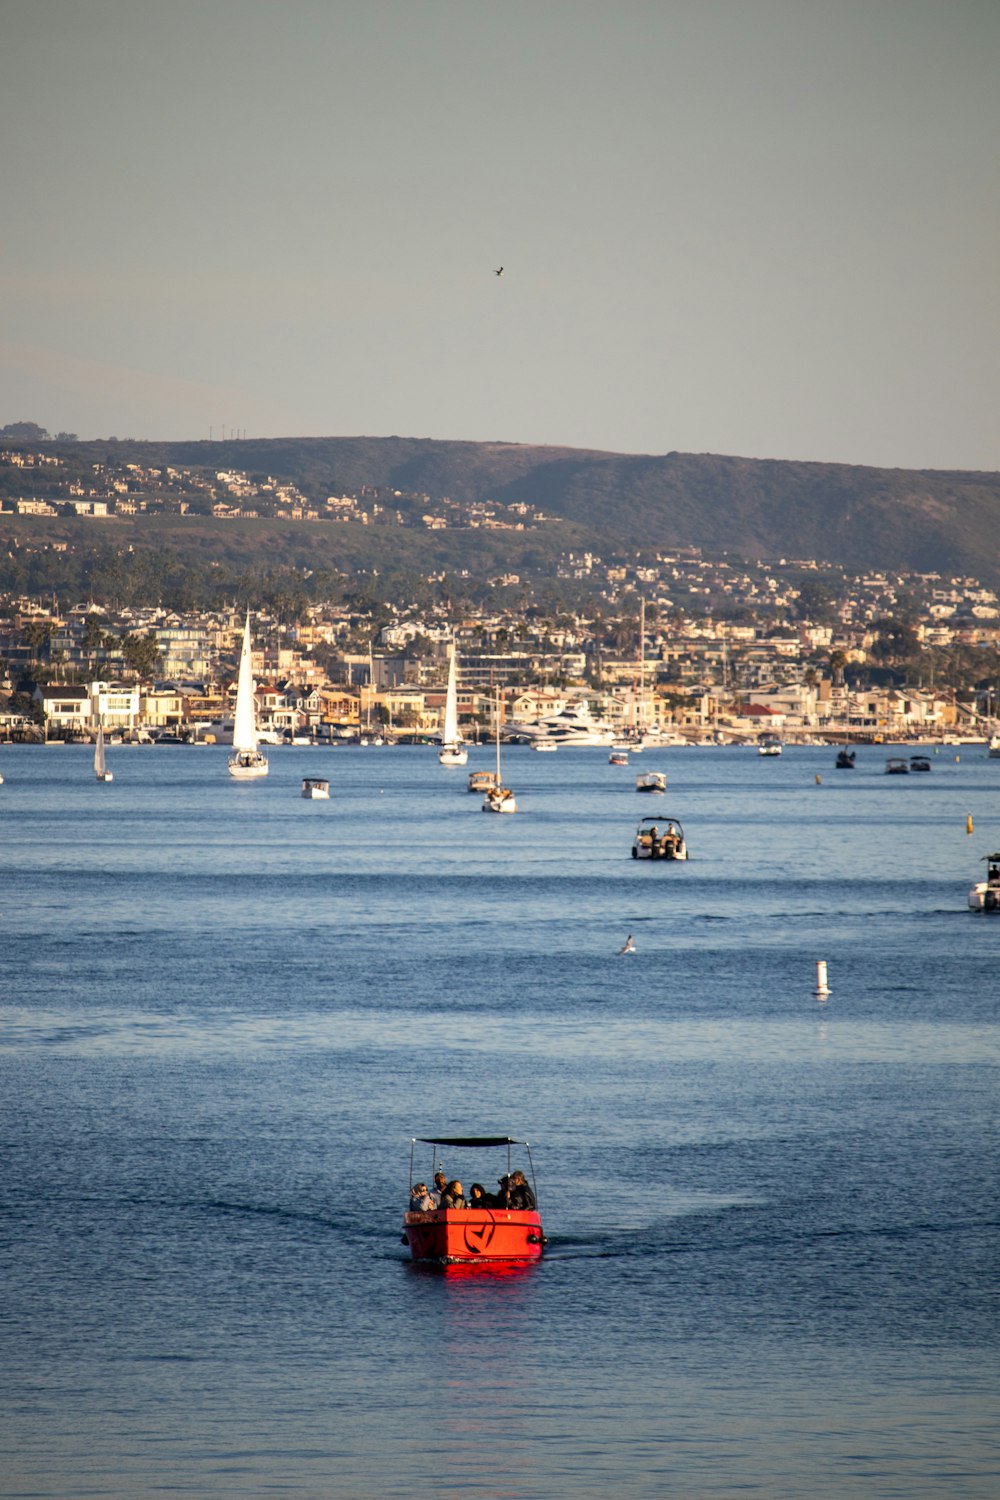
pixel 574 725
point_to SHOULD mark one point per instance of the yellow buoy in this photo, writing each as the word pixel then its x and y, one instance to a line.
pixel 968 824
pixel 819 781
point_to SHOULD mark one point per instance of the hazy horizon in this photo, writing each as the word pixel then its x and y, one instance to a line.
pixel 764 229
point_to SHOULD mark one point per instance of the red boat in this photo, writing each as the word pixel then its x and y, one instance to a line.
pixel 471 1235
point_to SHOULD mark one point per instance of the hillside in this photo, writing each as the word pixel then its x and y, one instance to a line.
pixel 859 517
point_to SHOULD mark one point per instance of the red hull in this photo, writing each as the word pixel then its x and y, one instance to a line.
pixel 454 1235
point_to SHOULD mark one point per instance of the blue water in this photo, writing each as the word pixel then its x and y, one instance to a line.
pixel 772 1218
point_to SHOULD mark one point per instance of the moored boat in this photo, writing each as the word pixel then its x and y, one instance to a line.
pixel 919 763
pixel 845 760
pixel 101 771
pixel 482 781
pixel 453 752
pixel 985 894
pixel 618 757
pixel 495 1231
pixel 651 781
pixel 897 765
pixel 316 788
pixel 769 744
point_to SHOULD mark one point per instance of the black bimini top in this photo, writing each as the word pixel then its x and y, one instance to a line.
pixel 469 1140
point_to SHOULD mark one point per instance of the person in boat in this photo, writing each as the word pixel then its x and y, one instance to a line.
pixel 420 1199
pixel 521 1195
pixel 477 1196
pixel 453 1196
pixel 440 1184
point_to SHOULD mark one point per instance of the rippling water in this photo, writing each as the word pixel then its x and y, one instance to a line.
pixel 772 1219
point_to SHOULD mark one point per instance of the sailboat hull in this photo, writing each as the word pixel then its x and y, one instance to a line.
pixel 248 765
pixel 452 755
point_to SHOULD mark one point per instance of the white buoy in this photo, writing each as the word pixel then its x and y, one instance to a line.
pixel 822 988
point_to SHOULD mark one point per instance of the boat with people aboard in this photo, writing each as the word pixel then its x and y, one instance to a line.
pixel 985 894
pixel 846 759
pixel 499 798
pixel 897 765
pixel 316 788
pixel 246 763
pixel 659 838
pixel 482 781
pixel 919 763
pixel 618 757
pixel 449 1224
pixel 453 751
pixel 769 744
pixel 651 781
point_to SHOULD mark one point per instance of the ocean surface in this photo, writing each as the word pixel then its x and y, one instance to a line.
pixel 772 1217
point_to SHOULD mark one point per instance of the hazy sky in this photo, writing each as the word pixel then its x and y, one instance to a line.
pixel 760 227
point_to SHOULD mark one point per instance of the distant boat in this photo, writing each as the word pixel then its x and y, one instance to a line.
pixel 993 747
pixel 618 757
pixel 246 763
pixel 544 745
pixel 482 781
pixel 985 894
pixel 769 744
pixel 100 765
pixel 659 838
pixel 919 763
pixel 897 765
pixel 651 781
pixel 316 788
pixel 499 798
pixel 453 752
pixel 845 760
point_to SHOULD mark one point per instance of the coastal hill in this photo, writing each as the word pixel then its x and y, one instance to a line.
pixel 862 518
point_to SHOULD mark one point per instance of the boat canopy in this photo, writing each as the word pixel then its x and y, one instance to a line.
pixel 469 1140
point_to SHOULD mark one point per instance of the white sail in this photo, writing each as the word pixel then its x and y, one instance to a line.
pixel 100 766
pixel 245 723
pixel 450 736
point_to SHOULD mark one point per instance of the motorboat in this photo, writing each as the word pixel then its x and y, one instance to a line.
pixel 920 763
pixel 993 747
pixel 481 1235
pixel 651 781
pixel 316 788
pixel 845 760
pixel 246 763
pixel 897 765
pixel 618 758
pixel 453 752
pixel 544 745
pixel 574 725
pixel 985 894
pixel 769 744
pixel 659 838
pixel 482 781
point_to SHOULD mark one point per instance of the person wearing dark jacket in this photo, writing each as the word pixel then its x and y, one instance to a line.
pixel 521 1195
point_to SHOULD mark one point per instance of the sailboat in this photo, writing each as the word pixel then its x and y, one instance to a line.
pixel 452 752
pixel 499 798
pixel 246 762
pixel 100 766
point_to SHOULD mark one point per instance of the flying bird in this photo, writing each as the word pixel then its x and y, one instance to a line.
pixel 498 272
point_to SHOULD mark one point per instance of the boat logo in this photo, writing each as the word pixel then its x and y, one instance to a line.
pixel 478 1236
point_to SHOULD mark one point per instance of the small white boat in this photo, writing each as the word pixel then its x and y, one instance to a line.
pixel 659 838
pixel 544 745
pixel 651 781
pixel 453 752
pixel 985 894
pixel 618 758
pixel 769 744
pixel 992 747
pixel 482 781
pixel 316 788
pixel 100 765
pixel 246 763
pixel 499 798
